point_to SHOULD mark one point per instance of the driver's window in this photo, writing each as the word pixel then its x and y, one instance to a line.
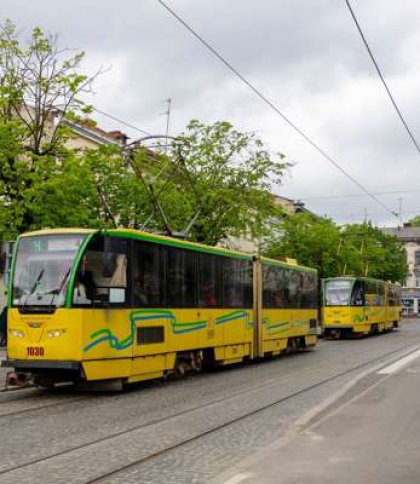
pixel 357 295
pixel 102 275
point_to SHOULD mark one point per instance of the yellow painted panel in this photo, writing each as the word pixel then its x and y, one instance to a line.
pixel 310 340
pixel 58 334
pixel 274 345
pixel 286 323
pixel 232 352
pixel 146 376
pixel 107 369
pixel 148 364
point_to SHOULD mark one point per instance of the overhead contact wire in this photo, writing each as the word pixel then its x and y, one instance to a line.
pixel 274 107
pixel 381 77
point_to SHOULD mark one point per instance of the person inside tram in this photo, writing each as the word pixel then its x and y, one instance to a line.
pixel 208 294
pixel 79 295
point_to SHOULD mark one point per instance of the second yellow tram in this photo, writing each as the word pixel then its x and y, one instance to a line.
pixel 359 306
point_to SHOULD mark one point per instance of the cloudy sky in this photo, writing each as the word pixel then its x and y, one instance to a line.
pixel 306 56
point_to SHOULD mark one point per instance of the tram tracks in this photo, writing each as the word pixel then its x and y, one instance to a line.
pixel 188 416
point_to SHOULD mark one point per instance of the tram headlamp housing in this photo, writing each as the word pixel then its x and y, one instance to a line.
pixel 16 333
pixel 55 333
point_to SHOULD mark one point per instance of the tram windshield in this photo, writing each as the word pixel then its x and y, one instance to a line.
pixel 337 292
pixel 42 270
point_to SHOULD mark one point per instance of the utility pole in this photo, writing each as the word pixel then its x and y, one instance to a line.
pixel 400 214
pixel 168 117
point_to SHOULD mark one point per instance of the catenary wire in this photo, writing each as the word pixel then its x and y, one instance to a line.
pixel 355 195
pixel 381 77
pixel 121 121
pixel 274 107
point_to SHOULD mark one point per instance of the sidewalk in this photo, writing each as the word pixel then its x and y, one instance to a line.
pixel 374 438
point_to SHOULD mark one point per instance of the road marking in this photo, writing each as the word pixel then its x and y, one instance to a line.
pixel 237 479
pixel 388 370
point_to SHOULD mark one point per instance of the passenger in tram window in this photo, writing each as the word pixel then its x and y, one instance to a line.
pixel 357 295
pixel 277 299
pixel 79 295
pixel 145 289
pixel 208 294
pixel 84 288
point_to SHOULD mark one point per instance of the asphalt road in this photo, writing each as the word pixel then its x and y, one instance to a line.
pixel 372 436
pixel 196 430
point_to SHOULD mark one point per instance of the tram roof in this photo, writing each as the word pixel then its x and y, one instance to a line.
pixel 279 263
pixel 353 278
pixel 147 236
pixel 171 241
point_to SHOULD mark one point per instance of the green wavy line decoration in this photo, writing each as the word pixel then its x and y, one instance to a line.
pixel 358 318
pixel 105 335
pixel 299 323
pixel 274 328
pixel 235 316
pixel 375 313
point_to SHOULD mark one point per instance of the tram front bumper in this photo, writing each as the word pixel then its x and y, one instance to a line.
pixel 41 364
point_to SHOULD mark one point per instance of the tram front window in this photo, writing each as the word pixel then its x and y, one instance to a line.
pixel 337 293
pixel 42 270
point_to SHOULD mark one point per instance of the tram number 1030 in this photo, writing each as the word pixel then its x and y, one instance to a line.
pixel 34 351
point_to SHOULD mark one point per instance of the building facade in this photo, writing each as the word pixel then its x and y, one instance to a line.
pixel 251 245
pixel 410 237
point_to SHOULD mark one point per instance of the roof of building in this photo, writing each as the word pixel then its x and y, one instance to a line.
pixel 405 234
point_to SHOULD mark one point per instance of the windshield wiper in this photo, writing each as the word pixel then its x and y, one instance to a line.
pixel 32 290
pixel 57 290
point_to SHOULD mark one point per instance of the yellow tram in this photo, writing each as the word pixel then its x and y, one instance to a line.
pixel 120 306
pixel 359 305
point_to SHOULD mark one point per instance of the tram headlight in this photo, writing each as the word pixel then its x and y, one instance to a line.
pixel 16 333
pixel 55 333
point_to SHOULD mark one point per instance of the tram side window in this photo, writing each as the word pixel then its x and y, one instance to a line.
pixel 248 281
pixel 102 275
pixel 390 296
pixel 294 284
pixel 269 274
pixel 357 294
pixel 309 290
pixel 380 294
pixel 148 275
pixel 237 283
pixel 210 280
pixel 275 289
pixel 371 293
pixel 181 280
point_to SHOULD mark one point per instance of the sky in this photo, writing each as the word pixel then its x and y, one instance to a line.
pixel 305 56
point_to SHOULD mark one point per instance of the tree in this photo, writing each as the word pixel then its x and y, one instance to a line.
pixel 214 180
pixel 373 253
pixel 312 241
pixel 415 221
pixel 355 249
pixel 35 78
pixel 225 177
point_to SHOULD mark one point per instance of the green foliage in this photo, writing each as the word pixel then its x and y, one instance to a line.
pixel 215 181
pixel 356 249
pixel 226 176
pixel 34 79
pixel 415 221
pixel 312 241
pixel 372 252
